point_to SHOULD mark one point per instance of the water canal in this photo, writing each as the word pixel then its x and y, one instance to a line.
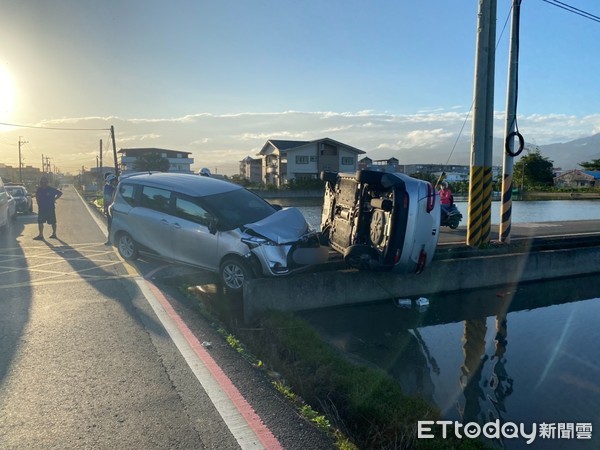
pixel 525 354
pixel 522 211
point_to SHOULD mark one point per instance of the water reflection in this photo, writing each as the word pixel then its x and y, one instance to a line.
pixel 457 353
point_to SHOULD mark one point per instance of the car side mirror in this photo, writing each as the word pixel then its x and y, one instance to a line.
pixel 277 207
pixel 213 225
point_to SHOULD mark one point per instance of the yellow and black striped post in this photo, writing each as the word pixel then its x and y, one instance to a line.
pixel 511 131
pixel 475 207
pixel 480 189
pixel 506 207
pixel 480 207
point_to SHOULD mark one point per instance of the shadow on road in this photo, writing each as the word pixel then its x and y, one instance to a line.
pixel 15 292
pixel 102 270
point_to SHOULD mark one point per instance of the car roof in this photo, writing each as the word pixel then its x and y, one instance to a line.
pixel 189 184
pixel 14 186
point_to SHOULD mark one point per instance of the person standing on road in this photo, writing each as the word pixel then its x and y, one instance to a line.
pixel 45 197
pixel 108 194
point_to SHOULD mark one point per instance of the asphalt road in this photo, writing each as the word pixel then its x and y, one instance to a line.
pixel 90 359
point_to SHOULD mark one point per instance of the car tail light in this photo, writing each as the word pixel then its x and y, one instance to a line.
pixel 421 262
pixel 430 197
pixel 406 200
pixel 397 256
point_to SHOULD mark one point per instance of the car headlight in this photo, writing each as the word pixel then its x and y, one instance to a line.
pixel 255 241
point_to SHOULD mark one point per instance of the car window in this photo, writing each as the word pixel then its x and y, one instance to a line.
pixel 127 192
pixel 16 192
pixel 189 209
pixel 237 208
pixel 155 198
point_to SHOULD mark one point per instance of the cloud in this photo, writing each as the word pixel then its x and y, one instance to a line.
pixel 222 140
pixel 425 138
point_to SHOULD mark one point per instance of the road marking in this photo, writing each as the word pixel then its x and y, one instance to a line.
pixel 536 225
pixel 46 281
pixel 241 419
pixel 239 416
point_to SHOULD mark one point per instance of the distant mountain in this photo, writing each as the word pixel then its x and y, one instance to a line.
pixel 569 154
pixel 566 155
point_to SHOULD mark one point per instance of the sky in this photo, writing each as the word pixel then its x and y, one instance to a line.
pixel 219 78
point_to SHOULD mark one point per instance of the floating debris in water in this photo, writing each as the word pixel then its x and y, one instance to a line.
pixel 422 301
pixel 404 303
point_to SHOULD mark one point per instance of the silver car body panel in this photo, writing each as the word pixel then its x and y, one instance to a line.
pixel 269 242
pixel 286 225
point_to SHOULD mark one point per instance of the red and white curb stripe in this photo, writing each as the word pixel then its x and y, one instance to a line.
pixel 241 419
pixel 236 412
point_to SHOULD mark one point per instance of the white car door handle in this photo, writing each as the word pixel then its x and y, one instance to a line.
pixel 176 226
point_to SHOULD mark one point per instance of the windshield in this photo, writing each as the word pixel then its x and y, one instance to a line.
pixel 237 208
pixel 16 192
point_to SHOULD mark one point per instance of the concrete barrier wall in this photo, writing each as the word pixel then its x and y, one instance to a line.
pixel 342 287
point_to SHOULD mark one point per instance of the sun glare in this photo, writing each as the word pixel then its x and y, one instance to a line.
pixel 7 94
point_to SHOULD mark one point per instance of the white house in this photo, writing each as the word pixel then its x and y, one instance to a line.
pixel 179 161
pixel 283 161
pixel 251 169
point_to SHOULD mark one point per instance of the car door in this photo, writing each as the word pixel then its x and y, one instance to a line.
pixel 151 222
pixel 193 243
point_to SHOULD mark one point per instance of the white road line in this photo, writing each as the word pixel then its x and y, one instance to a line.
pixel 230 414
pixel 236 413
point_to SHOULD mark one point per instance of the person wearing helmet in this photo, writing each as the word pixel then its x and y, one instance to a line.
pixel 108 194
pixel 204 172
pixel 446 198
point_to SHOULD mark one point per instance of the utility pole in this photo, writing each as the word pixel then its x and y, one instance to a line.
pixel 101 170
pixel 480 188
pixel 20 162
pixel 46 164
pixel 114 145
pixel 510 130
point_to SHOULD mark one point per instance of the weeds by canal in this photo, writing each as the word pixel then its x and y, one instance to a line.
pixel 524 354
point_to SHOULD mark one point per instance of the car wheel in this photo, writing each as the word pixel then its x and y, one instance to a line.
pixel 369 176
pixel 324 236
pixel 127 247
pixel 234 272
pixel 377 227
pixel 362 257
pixel 329 177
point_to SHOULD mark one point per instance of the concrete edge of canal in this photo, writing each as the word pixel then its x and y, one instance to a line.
pixel 342 287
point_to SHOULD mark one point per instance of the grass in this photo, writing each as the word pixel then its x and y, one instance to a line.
pixel 360 407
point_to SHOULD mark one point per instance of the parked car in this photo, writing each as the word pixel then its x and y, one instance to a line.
pixel 22 198
pixel 212 224
pixel 381 221
pixel 12 207
pixel 5 206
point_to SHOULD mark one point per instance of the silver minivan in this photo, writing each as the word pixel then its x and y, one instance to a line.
pixel 212 224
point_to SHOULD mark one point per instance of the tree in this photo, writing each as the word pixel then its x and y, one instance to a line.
pixel 594 164
pixel 533 170
pixel 151 161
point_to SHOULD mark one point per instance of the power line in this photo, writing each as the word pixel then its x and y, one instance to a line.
pixel 573 10
pixel 54 128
